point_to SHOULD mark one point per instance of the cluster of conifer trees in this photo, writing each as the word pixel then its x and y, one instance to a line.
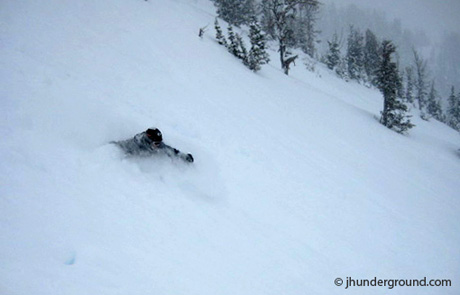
pixel 257 54
pixel 291 24
pixel 363 61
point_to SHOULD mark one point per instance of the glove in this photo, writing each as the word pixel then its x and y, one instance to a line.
pixel 189 158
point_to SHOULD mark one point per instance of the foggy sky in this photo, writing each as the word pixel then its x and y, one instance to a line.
pixel 435 17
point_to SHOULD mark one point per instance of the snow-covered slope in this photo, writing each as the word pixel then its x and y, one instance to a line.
pixel 295 182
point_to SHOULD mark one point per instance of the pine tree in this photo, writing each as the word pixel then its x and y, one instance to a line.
pixel 232 45
pixel 257 54
pixel 242 52
pixel 400 92
pixel 434 105
pixel 236 13
pixel 306 31
pixel 388 80
pixel 453 110
pixel 371 56
pixel 409 95
pixel 333 53
pixel 278 19
pixel 420 81
pixel 341 69
pixel 219 35
pixel 236 45
pixel 355 55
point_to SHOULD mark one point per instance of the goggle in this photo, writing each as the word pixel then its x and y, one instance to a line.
pixel 152 139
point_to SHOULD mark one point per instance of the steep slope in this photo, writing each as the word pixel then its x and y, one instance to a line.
pixel 295 182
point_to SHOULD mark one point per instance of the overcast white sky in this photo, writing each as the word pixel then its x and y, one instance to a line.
pixel 433 16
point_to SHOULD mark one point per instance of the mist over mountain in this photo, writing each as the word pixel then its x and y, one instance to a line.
pixel 432 28
pixel 435 18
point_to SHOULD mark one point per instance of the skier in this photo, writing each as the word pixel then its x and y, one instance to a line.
pixel 150 142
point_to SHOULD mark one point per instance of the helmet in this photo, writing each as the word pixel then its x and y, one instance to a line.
pixel 154 134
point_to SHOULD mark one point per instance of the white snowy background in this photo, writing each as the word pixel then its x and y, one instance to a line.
pixel 295 182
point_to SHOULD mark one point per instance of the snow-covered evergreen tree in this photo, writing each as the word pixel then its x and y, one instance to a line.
pixel 242 52
pixel 257 54
pixel 401 92
pixel 234 12
pixel 355 55
pixel 278 19
pixel 446 64
pixel 409 95
pixel 453 110
pixel 420 81
pixel 371 56
pixel 341 69
pixel 307 33
pixel 434 105
pixel 394 110
pixel 333 53
pixel 232 47
pixel 219 35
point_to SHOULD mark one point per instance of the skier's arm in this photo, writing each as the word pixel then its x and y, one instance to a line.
pixel 172 152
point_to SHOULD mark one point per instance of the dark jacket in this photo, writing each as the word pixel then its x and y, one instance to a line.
pixel 141 145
